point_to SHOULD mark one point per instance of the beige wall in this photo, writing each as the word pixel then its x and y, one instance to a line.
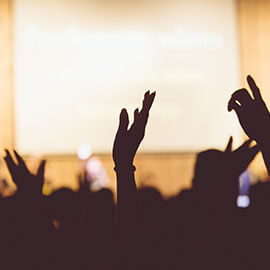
pixel 254 34
pixel 169 172
pixel 6 93
pixel 6 97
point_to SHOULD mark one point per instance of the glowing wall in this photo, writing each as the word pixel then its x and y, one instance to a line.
pixel 77 63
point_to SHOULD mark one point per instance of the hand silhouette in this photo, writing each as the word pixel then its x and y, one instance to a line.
pixel 228 164
pixel 217 172
pixel 252 113
pixel 127 140
pixel 239 159
pixel 23 179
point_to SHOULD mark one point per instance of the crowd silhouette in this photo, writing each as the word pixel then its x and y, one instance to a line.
pixel 200 228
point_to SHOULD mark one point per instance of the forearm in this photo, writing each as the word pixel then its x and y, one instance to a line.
pixel 265 149
pixel 127 202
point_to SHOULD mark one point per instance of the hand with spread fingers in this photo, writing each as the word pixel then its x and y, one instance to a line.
pixel 22 177
pixel 240 158
pixel 126 144
pixel 253 116
pixel 127 141
pixel 252 113
pixel 229 163
pixel 217 173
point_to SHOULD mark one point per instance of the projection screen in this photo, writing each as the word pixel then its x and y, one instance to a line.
pixel 78 62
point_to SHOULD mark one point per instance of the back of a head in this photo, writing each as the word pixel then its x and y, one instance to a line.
pixel 214 178
pixel 64 204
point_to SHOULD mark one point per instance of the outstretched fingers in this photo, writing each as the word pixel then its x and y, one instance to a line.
pixel 229 145
pixel 20 160
pixel 148 101
pixel 254 88
pixel 9 161
pixel 253 151
pixel 136 114
pixel 249 154
pixel 244 147
pixel 12 167
pixel 41 170
pixel 123 121
pixel 122 127
pixel 245 154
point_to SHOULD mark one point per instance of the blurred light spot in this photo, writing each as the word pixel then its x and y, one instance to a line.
pixel 243 201
pixel 84 151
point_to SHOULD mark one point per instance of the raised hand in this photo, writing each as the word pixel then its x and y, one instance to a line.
pixel 239 159
pixel 22 177
pixel 252 113
pixel 217 172
pixel 228 163
pixel 127 141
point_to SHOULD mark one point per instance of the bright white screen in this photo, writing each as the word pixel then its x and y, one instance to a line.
pixel 78 62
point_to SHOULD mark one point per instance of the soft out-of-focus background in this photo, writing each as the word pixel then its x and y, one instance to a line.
pixel 68 67
pixel 76 63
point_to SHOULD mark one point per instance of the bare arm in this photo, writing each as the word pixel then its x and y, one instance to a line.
pixel 126 144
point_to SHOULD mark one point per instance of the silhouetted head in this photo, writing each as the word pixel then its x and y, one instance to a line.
pixel 65 206
pixel 151 201
pixel 213 177
pixel 209 163
pixel 102 204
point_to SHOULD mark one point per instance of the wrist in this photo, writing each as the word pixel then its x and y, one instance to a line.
pixel 124 167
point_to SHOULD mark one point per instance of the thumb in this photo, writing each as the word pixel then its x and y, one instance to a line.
pixel 229 145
